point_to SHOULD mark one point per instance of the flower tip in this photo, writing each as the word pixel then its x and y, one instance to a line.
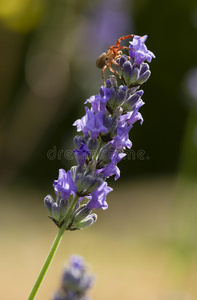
pixel 144 37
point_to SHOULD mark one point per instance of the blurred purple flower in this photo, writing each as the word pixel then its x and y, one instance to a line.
pixel 105 19
pixel 76 280
pixel 77 262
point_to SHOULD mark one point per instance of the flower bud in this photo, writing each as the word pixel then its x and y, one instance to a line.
pixel 86 182
pixel 94 184
pixel 118 95
pixel 92 165
pixel 107 121
pixel 122 60
pixel 104 92
pixel 132 100
pixel 105 154
pixel 73 172
pixel 81 214
pixel 121 95
pixel 118 112
pixel 108 83
pixel 114 126
pixel 92 144
pixel 113 81
pixel 81 154
pixel 144 77
pixel 144 68
pixel 48 202
pixel 78 180
pixel 56 211
pixel 130 73
pixel 88 221
pixel 63 207
pixel 78 139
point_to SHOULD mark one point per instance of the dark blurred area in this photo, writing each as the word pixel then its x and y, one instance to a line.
pixel 47 62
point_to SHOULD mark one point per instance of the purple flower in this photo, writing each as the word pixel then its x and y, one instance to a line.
pixel 76 280
pixel 91 123
pixel 139 51
pixel 65 185
pixel 82 154
pixel 99 196
pixel 99 101
pixel 122 140
pixel 111 168
pixel 77 262
pixel 133 116
pixel 95 101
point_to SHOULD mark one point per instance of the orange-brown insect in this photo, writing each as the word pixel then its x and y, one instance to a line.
pixel 105 60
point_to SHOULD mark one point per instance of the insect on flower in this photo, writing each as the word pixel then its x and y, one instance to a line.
pixel 105 60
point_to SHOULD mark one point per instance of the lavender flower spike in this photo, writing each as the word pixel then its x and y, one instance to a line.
pixel 105 129
pixel 104 136
pixel 76 280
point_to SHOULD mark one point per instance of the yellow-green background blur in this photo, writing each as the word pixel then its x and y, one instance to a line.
pixel 144 247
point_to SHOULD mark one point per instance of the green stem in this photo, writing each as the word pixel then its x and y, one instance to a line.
pixel 46 264
pixel 52 250
pixel 69 212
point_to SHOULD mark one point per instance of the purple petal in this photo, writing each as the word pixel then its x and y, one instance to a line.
pixel 65 185
pixel 139 51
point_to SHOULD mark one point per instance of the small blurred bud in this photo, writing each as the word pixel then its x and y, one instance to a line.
pixel 105 154
pixel 113 81
pixel 132 100
pixel 118 112
pixel 78 139
pixel 92 165
pixel 63 209
pixel 88 221
pixel 81 214
pixel 55 211
pixel 48 202
pixel 144 68
pixel 92 144
pixel 144 77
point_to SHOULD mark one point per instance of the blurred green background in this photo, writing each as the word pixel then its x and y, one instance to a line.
pixel 144 246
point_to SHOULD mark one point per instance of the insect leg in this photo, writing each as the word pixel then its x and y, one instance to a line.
pixel 124 38
pixel 103 75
